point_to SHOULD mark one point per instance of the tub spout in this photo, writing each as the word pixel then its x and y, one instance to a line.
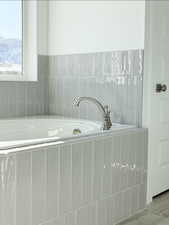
pixel 103 109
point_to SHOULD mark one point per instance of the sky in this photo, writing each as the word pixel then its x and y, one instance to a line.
pixel 10 19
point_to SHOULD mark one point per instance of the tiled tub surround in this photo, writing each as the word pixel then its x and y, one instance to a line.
pixel 114 78
pixel 18 99
pixel 87 181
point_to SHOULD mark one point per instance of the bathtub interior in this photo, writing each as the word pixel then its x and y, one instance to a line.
pixel 43 129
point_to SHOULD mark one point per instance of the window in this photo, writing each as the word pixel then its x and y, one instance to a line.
pixel 18 40
pixel 11 36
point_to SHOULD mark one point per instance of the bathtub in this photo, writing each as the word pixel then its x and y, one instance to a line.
pixel 50 174
pixel 24 132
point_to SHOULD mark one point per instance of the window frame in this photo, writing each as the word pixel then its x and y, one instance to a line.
pixel 29 46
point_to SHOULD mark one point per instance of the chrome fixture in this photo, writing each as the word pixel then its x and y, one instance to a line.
pixel 161 87
pixel 76 131
pixel 103 109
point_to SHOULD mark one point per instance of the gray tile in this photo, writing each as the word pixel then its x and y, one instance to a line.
pixel 114 78
pixel 77 175
pixel 70 219
pixel 98 169
pixel 107 172
pixel 116 166
pixel 65 199
pixel 98 64
pixel 87 171
pixel 7 190
pixel 107 63
pixel 87 215
pixel 52 183
pixel 22 98
pixel 38 186
pixel 23 188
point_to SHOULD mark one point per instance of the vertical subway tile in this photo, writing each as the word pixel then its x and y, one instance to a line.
pixel 23 189
pixel 87 215
pixel 59 100
pixel 134 200
pixel 92 110
pixel 118 208
pixel 38 186
pixel 102 212
pixel 77 174
pixel 116 63
pixel 132 162
pixel 52 183
pixel 83 109
pixel 107 63
pixel 124 145
pixel 1 189
pixel 115 163
pixel 105 211
pixel 7 190
pixel 22 97
pixel 145 139
pixel 110 210
pixel 142 196
pixel 67 106
pixel 98 64
pixel 123 95
pixel 98 168
pixel 126 204
pixel 75 92
pixel 139 100
pixel 65 179
pixel 139 156
pixel 87 171
pixel 86 64
pixel 138 62
pixel 58 221
pixel 59 177
pixel 107 173
pixel 70 218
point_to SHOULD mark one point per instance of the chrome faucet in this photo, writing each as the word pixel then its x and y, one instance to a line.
pixel 103 109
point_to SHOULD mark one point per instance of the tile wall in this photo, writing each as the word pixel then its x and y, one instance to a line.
pixel 93 181
pixel 19 99
pixel 114 78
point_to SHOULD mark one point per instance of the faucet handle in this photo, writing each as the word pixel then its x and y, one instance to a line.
pixel 106 108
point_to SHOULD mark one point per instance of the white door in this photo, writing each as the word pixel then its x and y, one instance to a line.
pixel 156 104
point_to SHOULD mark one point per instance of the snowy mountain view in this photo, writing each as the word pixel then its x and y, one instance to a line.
pixel 10 36
pixel 10 55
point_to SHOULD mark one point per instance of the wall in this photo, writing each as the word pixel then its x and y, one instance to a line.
pixel 110 26
pixel 96 50
pixel 73 183
pixel 43 22
pixel 29 98
pixel 19 99
pixel 95 26
pixel 114 78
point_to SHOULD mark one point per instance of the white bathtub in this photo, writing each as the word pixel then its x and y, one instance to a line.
pixel 23 132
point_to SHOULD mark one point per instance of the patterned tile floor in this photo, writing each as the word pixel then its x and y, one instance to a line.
pixel 157 213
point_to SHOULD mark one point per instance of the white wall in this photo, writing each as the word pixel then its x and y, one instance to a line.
pixel 92 26
pixel 43 10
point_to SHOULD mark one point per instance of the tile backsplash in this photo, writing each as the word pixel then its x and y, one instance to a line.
pixel 94 181
pixel 114 78
pixel 25 98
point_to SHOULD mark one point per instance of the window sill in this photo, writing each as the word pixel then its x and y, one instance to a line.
pixel 17 77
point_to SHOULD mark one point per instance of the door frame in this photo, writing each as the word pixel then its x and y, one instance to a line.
pixel 147 89
pixel 149 101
